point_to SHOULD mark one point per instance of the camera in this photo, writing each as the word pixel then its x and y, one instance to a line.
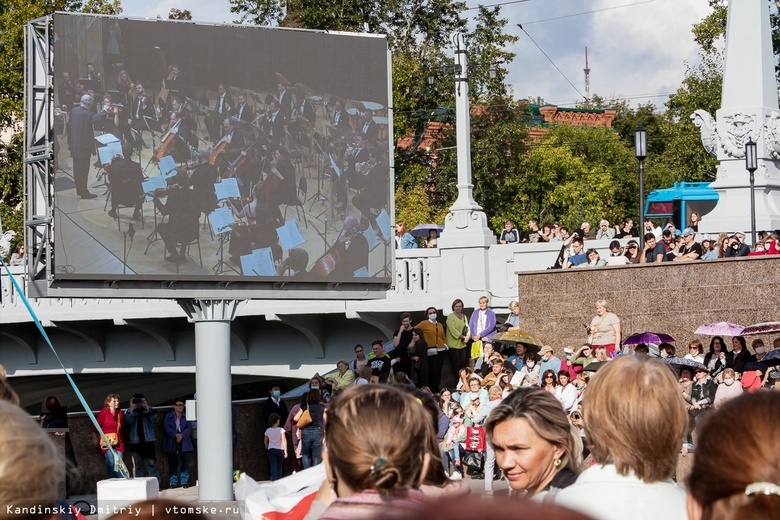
pixel 577 416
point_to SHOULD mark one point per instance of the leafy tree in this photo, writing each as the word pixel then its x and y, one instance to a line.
pixel 14 14
pixel 179 14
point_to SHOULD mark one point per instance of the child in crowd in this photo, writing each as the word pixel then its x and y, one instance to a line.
pixel 455 435
pixel 276 444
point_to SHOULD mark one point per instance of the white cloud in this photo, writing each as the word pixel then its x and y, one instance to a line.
pixel 636 50
pixel 633 51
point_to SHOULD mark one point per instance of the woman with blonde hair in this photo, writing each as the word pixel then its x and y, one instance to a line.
pixel 749 489
pixel 604 330
pixel 535 444
pixel 6 392
pixel 728 390
pixel 634 420
pixel 383 472
pixel 32 470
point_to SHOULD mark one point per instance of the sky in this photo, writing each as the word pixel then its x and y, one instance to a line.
pixel 637 49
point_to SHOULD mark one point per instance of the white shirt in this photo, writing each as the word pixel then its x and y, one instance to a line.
pixel 566 395
pixel 699 358
pixel 628 497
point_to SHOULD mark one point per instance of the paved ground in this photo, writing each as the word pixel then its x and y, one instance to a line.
pixel 229 510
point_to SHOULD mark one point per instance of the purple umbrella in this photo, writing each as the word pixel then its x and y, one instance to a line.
pixel 722 328
pixel 423 230
pixel 767 327
pixel 648 337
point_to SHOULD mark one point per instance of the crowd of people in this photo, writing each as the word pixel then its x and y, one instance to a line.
pixel 667 244
pixel 631 413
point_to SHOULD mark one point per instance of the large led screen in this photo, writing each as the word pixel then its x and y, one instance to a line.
pixel 188 152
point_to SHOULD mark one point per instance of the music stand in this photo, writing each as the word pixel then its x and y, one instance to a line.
pixel 90 84
pixel 319 196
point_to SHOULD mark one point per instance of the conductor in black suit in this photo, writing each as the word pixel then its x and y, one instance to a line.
pixel 81 138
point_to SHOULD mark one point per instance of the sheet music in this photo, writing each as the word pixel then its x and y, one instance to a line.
pixel 221 220
pixel 335 166
pixel 227 189
pixel 105 155
pixel 107 138
pixel 265 262
pixel 371 238
pixel 152 184
pixel 259 262
pixel 167 167
pixel 290 235
pixel 383 221
pixel 361 273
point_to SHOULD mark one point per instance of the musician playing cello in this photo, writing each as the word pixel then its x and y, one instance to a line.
pixel 350 250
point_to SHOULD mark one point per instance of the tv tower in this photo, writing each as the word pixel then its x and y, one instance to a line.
pixel 587 76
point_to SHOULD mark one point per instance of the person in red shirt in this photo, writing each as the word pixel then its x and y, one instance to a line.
pixel 110 419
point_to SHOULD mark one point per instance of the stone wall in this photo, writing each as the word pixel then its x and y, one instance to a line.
pixel 673 298
pixel 249 454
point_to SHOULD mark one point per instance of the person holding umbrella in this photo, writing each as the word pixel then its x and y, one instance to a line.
pixel 433 238
pixel 718 357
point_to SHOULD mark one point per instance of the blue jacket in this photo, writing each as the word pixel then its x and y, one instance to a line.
pixel 147 420
pixel 408 241
pixel 169 427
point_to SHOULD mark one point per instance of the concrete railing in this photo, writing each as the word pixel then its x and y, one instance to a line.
pixel 422 277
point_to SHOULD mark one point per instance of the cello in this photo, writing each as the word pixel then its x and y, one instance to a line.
pixel 166 143
pixel 220 147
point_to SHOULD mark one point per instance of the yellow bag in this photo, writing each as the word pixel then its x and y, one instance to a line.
pixel 476 349
pixel 113 440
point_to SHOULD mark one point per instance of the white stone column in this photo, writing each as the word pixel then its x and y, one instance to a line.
pixel 466 223
pixel 213 384
pixel 749 110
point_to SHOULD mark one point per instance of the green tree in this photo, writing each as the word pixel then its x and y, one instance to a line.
pixel 14 15
pixel 179 14
pixel 578 174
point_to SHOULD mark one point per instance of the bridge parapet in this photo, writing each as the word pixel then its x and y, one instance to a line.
pixel 423 277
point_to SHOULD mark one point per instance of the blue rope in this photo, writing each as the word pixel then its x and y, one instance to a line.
pixel 119 465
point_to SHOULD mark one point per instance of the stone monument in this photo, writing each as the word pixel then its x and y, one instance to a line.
pixel 749 111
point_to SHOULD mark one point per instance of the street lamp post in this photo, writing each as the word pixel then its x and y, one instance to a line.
pixel 640 148
pixel 751 164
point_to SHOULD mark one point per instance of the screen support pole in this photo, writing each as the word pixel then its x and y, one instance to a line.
pixel 213 384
